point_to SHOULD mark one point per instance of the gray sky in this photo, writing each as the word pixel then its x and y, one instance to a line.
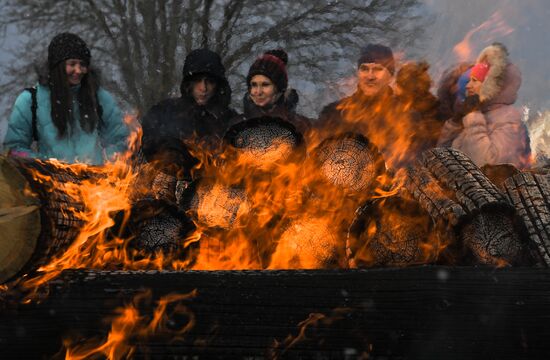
pixel 520 24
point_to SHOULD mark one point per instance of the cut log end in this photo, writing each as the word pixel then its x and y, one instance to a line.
pixel 19 220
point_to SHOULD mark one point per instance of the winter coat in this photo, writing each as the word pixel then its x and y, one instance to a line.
pixel 284 108
pixel 171 125
pixel 96 147
pixel 381 119
pixel 494 134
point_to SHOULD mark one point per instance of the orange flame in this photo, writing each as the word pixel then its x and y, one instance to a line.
pixel 130 325
pixel 489 30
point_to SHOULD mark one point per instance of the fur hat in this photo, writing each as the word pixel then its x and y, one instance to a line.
pixel 271 64
pixel 379 54
pixel 67 46
pixel 496 57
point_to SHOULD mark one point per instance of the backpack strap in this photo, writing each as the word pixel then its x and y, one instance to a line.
pixel 34 107
pixel 99 114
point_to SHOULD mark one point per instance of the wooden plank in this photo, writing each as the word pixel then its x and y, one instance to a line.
pixel 421 312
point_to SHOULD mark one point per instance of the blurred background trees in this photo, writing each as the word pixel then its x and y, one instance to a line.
pixel 139 46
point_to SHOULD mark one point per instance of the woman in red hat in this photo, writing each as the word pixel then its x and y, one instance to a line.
pixel 491 131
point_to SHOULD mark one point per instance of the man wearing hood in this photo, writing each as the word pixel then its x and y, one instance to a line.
pixel 200 115
pixel 491 131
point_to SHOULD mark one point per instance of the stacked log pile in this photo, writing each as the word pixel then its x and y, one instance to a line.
pixel 461 199
pixel 449 212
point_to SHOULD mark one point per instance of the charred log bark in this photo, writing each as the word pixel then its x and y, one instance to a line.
pixel 490 230
pixel 499 173
pixel 472 189
pixel 421 184
pixel 389 232
pixel 530 194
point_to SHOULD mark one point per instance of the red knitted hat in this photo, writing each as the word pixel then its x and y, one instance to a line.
pixel 480 71
pixel 271 64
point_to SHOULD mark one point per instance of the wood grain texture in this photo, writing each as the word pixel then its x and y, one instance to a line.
pixel 410 313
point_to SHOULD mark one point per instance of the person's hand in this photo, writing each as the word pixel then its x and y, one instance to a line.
pixel 471 103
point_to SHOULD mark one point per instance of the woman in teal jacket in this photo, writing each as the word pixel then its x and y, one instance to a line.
pixel 71 118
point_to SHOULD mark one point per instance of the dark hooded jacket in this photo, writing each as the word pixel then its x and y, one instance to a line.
pixel 284 108
pixel 173 123
pixel 494 133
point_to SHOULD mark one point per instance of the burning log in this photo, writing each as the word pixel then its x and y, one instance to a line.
pixel 39 213
pixel 530 194
pixel 261 143
pixel 421 184
pixel 499 173
pixel 212 204
pixel 349 161
pixel 389 232
pixel 156 223
pixel 490 229
pixel 309 243
pixel 158 228
pixel 472 189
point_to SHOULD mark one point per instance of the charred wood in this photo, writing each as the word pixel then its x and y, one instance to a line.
pixel 420 312
pixel 530 194
pixel 491 230
pixel 472 189
pixel 421 184
pixel 58 223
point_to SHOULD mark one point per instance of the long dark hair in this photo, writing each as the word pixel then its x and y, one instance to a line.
pixel 61 99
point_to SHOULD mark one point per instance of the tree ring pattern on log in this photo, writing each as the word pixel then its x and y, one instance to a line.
pixel 162 232
pixel 307 244
pixel 59 211
pixel 492 237
pixel 264 141
pixel 349 162
pixel 164 187
pixel 387 233
pixel 215 205
pixel 530 195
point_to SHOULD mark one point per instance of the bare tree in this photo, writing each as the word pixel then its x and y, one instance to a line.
pixel 140 45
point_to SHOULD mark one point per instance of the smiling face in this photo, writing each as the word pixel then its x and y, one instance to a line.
pixel 262 90
pixel 75 69
pixel 372 78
